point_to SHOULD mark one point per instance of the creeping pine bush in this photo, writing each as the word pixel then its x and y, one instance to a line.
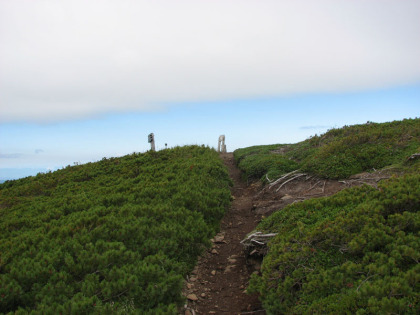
pixel 240 154
pixel 272 165
pixel 356 252
pixel 354 149
pixel 112 237
pixel 339 153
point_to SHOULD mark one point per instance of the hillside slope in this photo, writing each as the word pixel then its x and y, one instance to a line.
pixel 113 237
pixel 357 251
pixel 339 153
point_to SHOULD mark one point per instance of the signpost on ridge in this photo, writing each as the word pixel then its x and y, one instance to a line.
pixel 151 139
pixel 222 146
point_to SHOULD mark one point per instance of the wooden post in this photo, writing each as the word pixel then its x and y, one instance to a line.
pixel 151 139
pixel 222 146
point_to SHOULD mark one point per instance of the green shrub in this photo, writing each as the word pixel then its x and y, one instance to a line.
pixel 355 252
pixel 339 153
pixel 240 154
pixel 112 237
pixel 257 165
pixel 350 150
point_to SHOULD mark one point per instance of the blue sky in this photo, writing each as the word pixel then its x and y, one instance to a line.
pixel 32 147
pixel 84 80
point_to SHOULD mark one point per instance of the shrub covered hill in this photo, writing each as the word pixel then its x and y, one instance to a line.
pixel 356 252
pixel 111 237
pixel 338 153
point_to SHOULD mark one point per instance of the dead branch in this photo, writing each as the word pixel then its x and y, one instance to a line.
pixel 282 178
pixel 268 180
pixel 363 282
pixel 289 180
pixel 258 235
pixel 323 186
pixel 257 243
pixel 381 178
pixel 372 181
pixel 312 187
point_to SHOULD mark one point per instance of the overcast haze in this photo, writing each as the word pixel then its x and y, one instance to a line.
pixel 83 63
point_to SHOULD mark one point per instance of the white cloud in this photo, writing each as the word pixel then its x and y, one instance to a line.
pixel 72 58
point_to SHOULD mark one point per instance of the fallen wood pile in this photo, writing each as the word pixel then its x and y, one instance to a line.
pixel 255 244
pixel 284 179
pixel 364 178
pixel 368 179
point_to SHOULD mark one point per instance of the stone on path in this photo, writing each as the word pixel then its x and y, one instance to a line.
pixel 229 268
pixel 192 297
pixel 286 197
pixel 219 238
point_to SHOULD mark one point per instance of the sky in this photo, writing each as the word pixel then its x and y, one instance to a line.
pixel 82 80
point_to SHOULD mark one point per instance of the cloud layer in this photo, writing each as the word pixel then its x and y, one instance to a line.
pixel 71 59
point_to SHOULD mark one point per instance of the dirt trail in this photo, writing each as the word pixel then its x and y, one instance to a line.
pixel 220 279
pixel 218 283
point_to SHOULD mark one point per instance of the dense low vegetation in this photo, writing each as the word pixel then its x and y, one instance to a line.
pixel 339 153
pixel 356 252
pixel 112 237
